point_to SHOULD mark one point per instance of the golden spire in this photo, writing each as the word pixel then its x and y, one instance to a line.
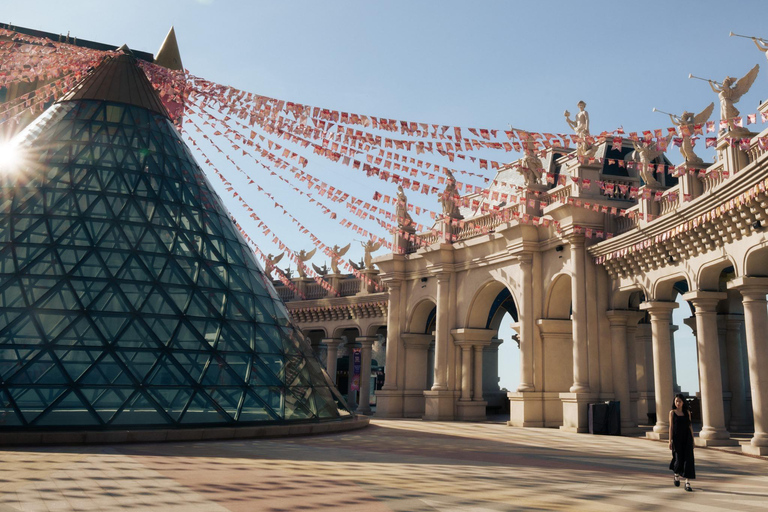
pixel 168 55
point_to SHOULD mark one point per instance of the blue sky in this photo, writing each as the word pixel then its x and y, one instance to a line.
pixel 472 64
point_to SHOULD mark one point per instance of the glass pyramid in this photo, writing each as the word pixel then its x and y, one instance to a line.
pixel 127 297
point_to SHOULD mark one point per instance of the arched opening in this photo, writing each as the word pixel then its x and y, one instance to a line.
pixel 419 346
pixel 345 364
pixel 494 312
pixel 315 336
pixel 501 359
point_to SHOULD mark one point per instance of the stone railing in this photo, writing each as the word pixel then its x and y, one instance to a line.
pixel 624 224
pixel 617 184
pixel 755 151
pixel 284 293
pixel 560 194
pixel 315 291
pixel 670 200
pixel 349 287
pixel 713 178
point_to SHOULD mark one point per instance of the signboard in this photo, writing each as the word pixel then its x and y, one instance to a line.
pixel 356 365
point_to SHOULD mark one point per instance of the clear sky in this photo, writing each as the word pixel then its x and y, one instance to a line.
pixel 473 64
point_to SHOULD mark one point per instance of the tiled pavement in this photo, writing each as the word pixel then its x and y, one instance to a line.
pixel 397 465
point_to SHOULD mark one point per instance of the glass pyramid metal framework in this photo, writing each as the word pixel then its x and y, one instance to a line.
pixel 127 297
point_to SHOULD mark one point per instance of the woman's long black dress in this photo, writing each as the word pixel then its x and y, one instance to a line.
pixel 682 446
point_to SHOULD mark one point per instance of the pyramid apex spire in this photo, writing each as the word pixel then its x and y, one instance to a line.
pixel 168 55
pixel 118 79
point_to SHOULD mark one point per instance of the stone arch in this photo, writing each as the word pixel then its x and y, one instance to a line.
pixel 627 298
pixel 756 261
pixel 483 308
pixel 375 328
pixel 709 275
pixel 340 331
pixel 666 288
pixel 422 316
pixel 558 299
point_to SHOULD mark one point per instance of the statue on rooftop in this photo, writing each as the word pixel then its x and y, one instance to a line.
pixel 581 126
pixel 302 257
pixel 321 271
pixel 450 197
pixel 686 123
pixel 646 151
pixel 761 45
pixel 530 165
pixel 370 247
pixel 731 91
pixel 337 254
pixel 271 263
pixel 404 220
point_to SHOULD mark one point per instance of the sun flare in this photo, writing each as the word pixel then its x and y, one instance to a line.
pixel 10 156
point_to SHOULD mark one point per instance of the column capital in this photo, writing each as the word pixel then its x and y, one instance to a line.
pixel 703 301
pixel 751 288
pixel 657 307
pixel 331 342
pixel 471 336
pixel 525 258
pixel 627 317
pixel 576 239
pixel 366 341
pixel 416 340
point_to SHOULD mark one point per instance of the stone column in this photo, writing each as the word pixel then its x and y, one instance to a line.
pixel 389 399
pixel 332 355
pixel 713 431
pixel 646 397
pixel 441 332
pixel 579 316
pixel 393 336
pixel 675 384
pixel 477 388
pixel 416 373
pixel 466 371
pixel 526 324
pixel 632 320
pixel 620 363
pixel 661 313
pixel 735 357
pixel 366 343
pixel 471 406
pixel 753 291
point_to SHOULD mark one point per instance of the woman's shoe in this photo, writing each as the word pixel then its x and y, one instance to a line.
pixel 688 487
pixel 677 481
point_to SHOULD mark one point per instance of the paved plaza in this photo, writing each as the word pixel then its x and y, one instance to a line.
pixel 396 465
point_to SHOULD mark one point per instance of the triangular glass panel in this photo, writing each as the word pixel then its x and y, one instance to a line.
pixel 140 410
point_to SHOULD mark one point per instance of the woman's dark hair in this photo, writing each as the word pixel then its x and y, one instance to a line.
pixel 685 402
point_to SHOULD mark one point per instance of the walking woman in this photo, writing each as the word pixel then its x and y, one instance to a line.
pixel 681 442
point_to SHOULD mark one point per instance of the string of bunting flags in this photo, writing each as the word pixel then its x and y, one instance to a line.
pixel 745 198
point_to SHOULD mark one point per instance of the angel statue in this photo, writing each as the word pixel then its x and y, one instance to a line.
pixel 581 126
pixel 336 255
pixel 450 197
pixel 404 220
pixel 370 247
pixel 687 122
pixel 761 45
pixel 271 263
pixel 646 151
pixel 321 271
pixel 731 91
pixel 357 266
pixel 302 257
pixel 530 165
